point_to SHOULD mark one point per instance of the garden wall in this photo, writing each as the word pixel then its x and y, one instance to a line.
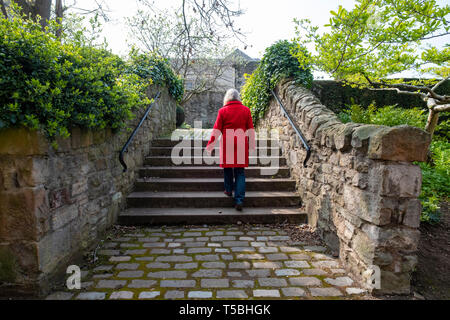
pixel 360 187
pixel 338 97
pixel 54 205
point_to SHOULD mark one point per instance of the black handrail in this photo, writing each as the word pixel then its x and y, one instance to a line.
pixel 125 147
pixel 296 129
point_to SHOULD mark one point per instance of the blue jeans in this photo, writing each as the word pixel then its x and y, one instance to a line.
pixel 238 184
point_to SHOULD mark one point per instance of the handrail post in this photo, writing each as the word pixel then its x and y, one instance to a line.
pixel 296 129
pixel 125 147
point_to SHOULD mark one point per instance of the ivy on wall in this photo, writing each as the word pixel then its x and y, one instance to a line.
pixel 278 62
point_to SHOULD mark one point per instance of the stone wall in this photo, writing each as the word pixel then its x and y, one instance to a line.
pixel 360 187
pixel 204 107
pixel 55 204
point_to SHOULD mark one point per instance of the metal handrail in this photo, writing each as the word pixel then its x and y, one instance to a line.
pixel 296 129
pixel 125 147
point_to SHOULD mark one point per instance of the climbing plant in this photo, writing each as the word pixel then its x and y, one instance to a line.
pixel 278 62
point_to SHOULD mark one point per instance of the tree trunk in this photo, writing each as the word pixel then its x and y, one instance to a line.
pixel 43 8
pixel 433 117
pixel 3 7
pixel 26 8
pixel 40 8
pixel 59 10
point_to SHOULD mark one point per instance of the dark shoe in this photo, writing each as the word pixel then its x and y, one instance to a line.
pixel 238 207
pixel 230 194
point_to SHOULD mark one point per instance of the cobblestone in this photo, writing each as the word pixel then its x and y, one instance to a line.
pixel 215 283
pixel 121 295
pixel 243 283
pixel 266 293
pixel 208 273
pixel 340 282
pixel 149 295
pixel 91 296
pixel 111 284
pixel 200 295
pixel 297 264
pixel 213 263
pixel 231 294
pixel 207 257
pixel 325 292
pixel 305 281
pixel 130 274
pixel 139 284
pixel 127 266
pixel 158 265
pixel 178 283
pixel 186 266
pixel 287 272
pixel 120 259
pixel 293 292
pixel 174 294
pixel 272 282
pixel 258 273
pixel 168 275
pixel 239 265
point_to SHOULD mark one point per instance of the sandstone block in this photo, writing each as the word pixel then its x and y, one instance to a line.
pixel 402 143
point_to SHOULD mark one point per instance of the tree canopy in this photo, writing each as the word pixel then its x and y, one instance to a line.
pixel 371 44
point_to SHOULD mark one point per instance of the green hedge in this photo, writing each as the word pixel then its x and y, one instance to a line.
pixel 152 66
pixel 278 62
pixel 53 85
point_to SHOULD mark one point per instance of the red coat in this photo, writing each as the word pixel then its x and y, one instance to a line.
pixel 234 122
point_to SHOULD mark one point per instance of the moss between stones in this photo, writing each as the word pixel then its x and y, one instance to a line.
pixel 7 266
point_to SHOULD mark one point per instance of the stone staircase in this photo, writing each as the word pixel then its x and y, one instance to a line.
pixel 166 193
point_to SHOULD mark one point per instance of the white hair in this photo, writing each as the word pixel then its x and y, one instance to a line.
pixel 231 95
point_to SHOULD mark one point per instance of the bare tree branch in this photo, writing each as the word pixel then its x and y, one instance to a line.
pixel 439 84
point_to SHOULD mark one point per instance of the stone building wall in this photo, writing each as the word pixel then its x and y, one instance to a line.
pixel 204 107
pixel 56 204
pixel 360 187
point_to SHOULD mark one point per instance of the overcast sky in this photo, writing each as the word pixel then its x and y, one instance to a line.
pixel 264 21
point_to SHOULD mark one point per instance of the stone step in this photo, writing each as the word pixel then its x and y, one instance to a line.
pixel 210 199
pixel 212 184
pixel 194 216
pixel 163 161
pixel 203 143
pixel 211 172
pixel 167 151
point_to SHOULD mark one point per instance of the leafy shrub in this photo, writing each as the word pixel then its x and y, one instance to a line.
pixel 152 66
pixel 49 85
pixel 388 116
pixel 436 181
pixel 436 175
pixel 278 62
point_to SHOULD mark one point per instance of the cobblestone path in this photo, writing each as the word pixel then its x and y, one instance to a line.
pixel 215 262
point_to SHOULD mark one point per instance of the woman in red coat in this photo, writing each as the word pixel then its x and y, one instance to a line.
pixel 234 123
